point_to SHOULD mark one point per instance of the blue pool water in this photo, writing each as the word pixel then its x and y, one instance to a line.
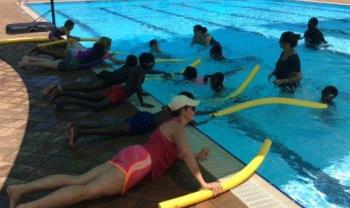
pixel 310 156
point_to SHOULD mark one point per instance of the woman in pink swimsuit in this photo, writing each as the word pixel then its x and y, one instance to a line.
pixel 167 144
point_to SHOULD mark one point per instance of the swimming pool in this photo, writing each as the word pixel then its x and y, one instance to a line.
pixel 310 156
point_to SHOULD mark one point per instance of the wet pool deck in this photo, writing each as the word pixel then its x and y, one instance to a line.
pixel 32 143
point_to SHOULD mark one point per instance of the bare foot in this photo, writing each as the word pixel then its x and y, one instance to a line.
pixel 14 194
pixel 48 90
pixel 22 63
pixel 25 58
pixel 67 133
pixel 72 136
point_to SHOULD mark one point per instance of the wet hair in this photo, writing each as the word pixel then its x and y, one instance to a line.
pixel 313 21
pixel 216 51
pixel 188 94
pixel 204 30
pixel 106 41
pixel 291 38
pixel 218 84
pixel 152 42
pixel 97 52
pixel 131 61
pixel 146 59
pixel 69 23
pixel 190 73
pixel 329 93
pixel 197 27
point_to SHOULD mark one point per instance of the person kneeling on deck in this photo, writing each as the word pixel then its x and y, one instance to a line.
pixel 167 144
pixel 287 70
pixel 140 123
pixel 313 36
pixel 75 59
pixel 114 95
pixel 58 33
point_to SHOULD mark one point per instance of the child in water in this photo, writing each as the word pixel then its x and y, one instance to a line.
pixel 328 94
pixel 216 80
pixel 156 51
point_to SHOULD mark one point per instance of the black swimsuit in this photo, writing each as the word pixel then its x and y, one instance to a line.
pixel 286 69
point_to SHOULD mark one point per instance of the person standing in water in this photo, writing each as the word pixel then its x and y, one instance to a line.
pixel 288 69
pixel 313 36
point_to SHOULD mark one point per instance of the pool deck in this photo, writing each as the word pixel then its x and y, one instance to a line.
pixel 339 2
pixel 32 143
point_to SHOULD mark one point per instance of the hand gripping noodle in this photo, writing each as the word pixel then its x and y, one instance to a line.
pixel 70 40
pixel 226 183
pixel 269 101
pixel 24 40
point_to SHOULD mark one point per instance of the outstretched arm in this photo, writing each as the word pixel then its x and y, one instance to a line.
pixel 180 140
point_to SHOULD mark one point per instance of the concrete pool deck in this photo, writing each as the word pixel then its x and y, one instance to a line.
pixel 339 2
pixel 32 142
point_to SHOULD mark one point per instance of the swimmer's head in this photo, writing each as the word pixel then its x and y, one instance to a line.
pixel 216 52
pixel 153 44
pixel 190 73
pixel 197 29
pixel 203 30
pixel 313 22
pixel 131 61
pixel 217 81
pixel 106 42
pixel 289 40
pixel 328 94
pixel 69 24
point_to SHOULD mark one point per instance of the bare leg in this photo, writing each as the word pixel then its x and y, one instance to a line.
pixel 89 96
pixel 55 53
pixel 108 183
pixel 87 86
pixel 51 182
pixel 117 131
pixel 44 63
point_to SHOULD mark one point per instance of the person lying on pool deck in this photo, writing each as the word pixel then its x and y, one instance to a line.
pixel 140 123
pixel 75 59
pixel 287 70
pixel 99 100
pixel 328 94
pixel 101 80
pixel 167 144
pixel 216 80
pixel 313 36
pixel 156 51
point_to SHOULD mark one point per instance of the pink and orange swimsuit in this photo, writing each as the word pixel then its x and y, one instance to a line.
pixel 154 157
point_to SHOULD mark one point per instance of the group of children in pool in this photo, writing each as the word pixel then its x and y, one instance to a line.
pixel 167 143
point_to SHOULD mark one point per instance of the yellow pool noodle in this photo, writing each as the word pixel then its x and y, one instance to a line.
pixel 24 40
pixel 269 101
pixel 227 183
